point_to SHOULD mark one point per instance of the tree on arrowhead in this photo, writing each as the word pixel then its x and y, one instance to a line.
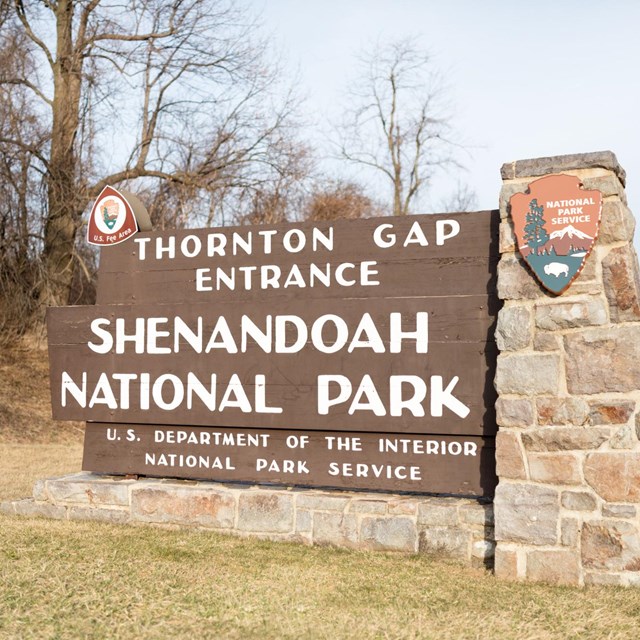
pixel 535 235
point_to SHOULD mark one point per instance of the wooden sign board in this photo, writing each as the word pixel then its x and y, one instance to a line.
pixel 360 354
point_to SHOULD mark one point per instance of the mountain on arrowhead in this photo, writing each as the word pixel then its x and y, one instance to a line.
pixel 570 231
pixel 564 242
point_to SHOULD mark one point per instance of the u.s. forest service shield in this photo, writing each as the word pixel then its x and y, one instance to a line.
pixel 556 224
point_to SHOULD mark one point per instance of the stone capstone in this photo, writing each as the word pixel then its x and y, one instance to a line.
pixel 558 164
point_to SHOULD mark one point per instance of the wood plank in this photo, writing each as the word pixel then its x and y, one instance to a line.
pixel 463 265
pixel 478 237
pixel 464 352
pixel 421 464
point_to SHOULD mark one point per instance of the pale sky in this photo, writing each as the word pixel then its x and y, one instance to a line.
pixel 527 79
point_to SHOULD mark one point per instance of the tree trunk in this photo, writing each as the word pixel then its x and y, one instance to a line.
pixel 65 203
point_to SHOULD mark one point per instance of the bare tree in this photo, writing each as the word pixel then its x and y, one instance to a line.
pixel 181 85
pixel 399 126
pixel 339 200
pixel 464 198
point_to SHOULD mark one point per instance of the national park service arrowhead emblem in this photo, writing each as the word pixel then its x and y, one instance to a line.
pixel 112 219
pixel 556 224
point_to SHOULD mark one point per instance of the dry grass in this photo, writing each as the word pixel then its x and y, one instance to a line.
pixel 88 580
pixel 23 464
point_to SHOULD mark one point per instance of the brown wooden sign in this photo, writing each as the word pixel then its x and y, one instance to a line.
pixel 350 329
pixel 390 462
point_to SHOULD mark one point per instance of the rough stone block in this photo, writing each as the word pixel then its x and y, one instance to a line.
pixel 613 545
pixel 611 411
pixel 562 411
pixel 526 513
pixel 514 412
pixel 33 509
pixel 322 502
pixel 389 534
pixel 449 542
pixel 509 456
pixel 617 223
pixel 368 506
pixel 89 491
pixel 546 341
pixel 565 438
pixel 303 521
pixel 270 512
pixel 514 328
pixel 475 513
pixel 559 567
pixel 622 439
pixel 622 284
pixel 516 282
pixel 528 374
pixel 183 505
pixel 578 501
pixel 40 491
pixel 508 190
pixel 99 514
pixel 619 511
pixel 569 532
pixel 336 529
pixel 433 514
pixel 505 564
pixel 535 167
pixel 614 476
pixel 608 579
pixel 638 426
pixel 609 185
pixel 507 237
pixel 592 352
pixel 582 312
pixel 483 549
pixel 403 507
pixel 554 468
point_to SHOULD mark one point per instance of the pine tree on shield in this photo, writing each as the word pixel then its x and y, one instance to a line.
pixel 535 235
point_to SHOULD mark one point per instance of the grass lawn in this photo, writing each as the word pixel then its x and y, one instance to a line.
pixel 89 580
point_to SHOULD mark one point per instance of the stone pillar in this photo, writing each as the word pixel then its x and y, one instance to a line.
pixel 568 380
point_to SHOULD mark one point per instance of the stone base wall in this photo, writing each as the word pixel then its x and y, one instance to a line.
pixel 568 378
pixel 459 528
